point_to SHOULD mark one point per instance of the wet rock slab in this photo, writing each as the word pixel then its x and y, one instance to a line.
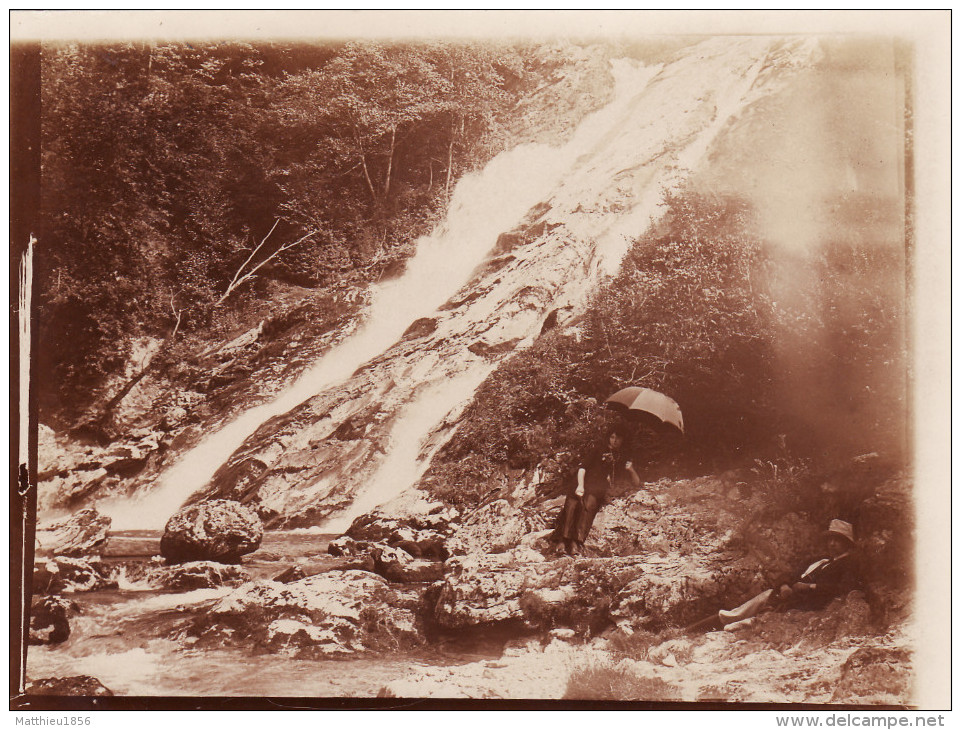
pixel 80 686
pixel 70 469
pixel 321 615
pixel 83 534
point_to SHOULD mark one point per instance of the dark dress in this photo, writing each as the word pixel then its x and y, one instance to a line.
pixel 602 467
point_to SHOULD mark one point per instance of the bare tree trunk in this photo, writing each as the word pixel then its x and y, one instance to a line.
pixel 370 185
pixel 390 162
pixel 233 282
pixel 450 160
pixel 363 162
pixel 238 279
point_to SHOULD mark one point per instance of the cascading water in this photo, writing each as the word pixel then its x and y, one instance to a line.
pixel 405 462
pixel 484 205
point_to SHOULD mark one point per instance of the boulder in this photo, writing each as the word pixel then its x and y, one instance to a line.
pixel 50 620
pixel 157 575
pixel 396 564
pixel 219 530
pixel 345 546
pixel 71 575
pixel 378 525
pixel 46 579
pixel 321 615
pixel 202 574
pixel 521 587
pixel 83 534
pixel 80 686
pixel 420 535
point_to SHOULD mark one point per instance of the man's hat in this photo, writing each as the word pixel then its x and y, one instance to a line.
pixel 842 528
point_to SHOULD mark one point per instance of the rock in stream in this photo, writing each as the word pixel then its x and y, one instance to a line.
pixel 220 530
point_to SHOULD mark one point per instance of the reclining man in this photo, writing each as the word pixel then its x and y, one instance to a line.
pixel 822 581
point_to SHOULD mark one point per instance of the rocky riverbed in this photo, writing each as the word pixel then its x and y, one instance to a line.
pixel 418 600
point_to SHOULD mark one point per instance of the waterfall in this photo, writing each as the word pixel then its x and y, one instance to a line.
pixel 484 205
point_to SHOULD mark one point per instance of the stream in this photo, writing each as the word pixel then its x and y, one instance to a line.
pixel 121 637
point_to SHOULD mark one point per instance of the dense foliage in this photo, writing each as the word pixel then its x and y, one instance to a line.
pixel 172 172
pixel 768 357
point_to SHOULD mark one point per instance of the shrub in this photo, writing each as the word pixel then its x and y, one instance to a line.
pixel 634 645
pixel 606 681
pixel 765 356
pixel 538 613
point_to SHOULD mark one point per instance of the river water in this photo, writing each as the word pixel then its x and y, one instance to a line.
pixel 121 637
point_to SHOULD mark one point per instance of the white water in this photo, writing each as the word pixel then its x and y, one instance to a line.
pixel 405 463
pixel 614 244
pixel 484 205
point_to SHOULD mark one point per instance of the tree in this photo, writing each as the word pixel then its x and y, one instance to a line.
pixel 165 165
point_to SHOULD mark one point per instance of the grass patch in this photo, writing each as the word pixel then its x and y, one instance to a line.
pixel 605 681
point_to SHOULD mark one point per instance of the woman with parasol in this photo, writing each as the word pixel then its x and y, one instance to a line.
pixel 601 468
pixel 608 464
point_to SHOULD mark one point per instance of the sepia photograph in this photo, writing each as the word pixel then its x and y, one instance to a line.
pixel 476 356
